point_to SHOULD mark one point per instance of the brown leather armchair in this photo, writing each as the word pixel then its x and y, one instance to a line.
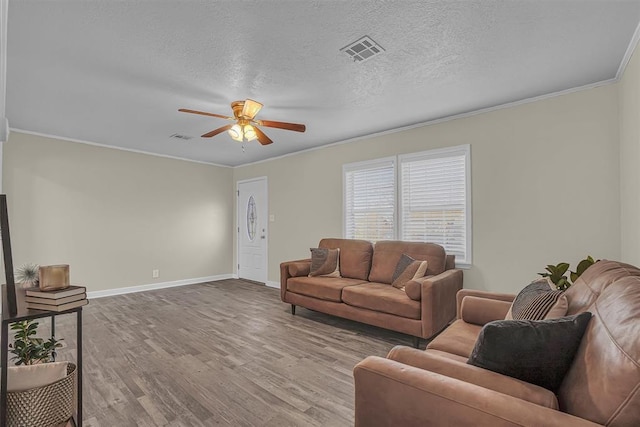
pixel 436 387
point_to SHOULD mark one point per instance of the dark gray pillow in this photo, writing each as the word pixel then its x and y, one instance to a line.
pixel 535 351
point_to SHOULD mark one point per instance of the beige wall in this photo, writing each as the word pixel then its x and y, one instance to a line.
pixel 113 215
pixel 629 106
pixel 545 186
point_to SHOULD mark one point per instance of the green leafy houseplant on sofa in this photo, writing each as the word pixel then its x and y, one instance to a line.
pixel 556 273
pixel 29 349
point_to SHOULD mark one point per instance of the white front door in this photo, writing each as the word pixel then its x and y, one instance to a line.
pixel 252 229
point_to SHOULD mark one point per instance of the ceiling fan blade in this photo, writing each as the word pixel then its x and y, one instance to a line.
pixel 282 125
pixel 202 113
pixel 262 138
pixel 216 131
pixel 251 108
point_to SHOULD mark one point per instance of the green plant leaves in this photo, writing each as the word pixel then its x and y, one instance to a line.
pixel 556 273
pixel 29 349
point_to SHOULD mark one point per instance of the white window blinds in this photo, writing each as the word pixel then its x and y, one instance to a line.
pixel 369 200
pixel 434 205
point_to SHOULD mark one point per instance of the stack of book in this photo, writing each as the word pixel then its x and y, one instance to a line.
pixel 60 300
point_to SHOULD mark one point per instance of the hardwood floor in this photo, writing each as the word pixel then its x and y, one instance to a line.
pixel 225 353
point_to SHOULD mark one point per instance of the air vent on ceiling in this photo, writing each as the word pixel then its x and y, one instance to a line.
pixel 180 136
pixel 362 49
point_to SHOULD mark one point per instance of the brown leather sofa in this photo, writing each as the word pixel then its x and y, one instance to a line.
pixel 364 293
pixel 436 387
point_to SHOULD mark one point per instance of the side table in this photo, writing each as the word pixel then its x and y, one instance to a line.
pixel 26 314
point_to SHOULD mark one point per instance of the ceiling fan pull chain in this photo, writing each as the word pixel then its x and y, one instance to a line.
pixel 243 148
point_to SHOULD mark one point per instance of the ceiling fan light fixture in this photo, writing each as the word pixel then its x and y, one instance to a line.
pixel 236 132
pixel 251 108
pixel 244 113
pixel 250 133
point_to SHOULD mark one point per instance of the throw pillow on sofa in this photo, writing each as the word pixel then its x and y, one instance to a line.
pixel 407 269
pixel 325 262
pixel 537 301
pixel 538 352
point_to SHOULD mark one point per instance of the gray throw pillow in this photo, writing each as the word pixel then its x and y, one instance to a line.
pixel 325 262
pixel 538 301
pixel 406 270
pixel 538 352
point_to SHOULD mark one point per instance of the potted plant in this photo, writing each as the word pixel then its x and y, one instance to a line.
pixel 27 348
pixel 40 391
pixel 28 275
pixel 556 273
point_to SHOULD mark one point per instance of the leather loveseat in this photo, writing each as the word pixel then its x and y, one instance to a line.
pixel 436 387
pixel 363 292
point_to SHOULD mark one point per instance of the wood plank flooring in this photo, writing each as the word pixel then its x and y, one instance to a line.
pixel 225 353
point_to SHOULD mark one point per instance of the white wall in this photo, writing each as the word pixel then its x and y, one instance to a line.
pixel 114 215
pixel 629 106
pixel 545 186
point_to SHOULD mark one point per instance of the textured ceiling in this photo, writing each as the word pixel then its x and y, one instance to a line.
pixel 115 73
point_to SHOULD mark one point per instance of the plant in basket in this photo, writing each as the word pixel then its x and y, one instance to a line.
pixel 27 348
pixel 37 382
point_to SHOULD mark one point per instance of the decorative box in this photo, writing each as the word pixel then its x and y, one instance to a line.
pixel 54 277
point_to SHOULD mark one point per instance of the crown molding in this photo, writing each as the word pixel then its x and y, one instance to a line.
pixel 131 150
pixel 628 53
pixel 443 119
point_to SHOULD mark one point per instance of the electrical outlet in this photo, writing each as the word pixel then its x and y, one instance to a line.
pixel 155 274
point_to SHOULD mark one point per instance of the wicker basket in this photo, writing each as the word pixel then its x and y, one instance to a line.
pixel 44 406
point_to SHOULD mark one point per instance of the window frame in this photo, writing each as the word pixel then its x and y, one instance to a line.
pixel 364 165
pixel 438 153
pixel 397 161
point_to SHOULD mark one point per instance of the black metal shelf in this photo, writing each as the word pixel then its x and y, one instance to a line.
pixel 23 313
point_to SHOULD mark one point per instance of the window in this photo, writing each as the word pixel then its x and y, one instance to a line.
pixel 434 201
pixel 370 199
pixel 429 195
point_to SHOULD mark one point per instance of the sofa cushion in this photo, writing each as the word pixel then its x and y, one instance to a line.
pixel 386 255
pixel 603 383
pixel 326 288
pixel 407 269
pixel 459 338
pixel 355 256
pixel 381 297
pixel 325 262
pixel 413 290
pixel 588 287
pixel 537 352
pixel 537 301
pixel 299 268
pixel 444 365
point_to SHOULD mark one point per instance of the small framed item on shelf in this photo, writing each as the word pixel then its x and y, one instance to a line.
pixel 54 277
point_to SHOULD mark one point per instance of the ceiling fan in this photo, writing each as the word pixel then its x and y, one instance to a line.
pixel 246 126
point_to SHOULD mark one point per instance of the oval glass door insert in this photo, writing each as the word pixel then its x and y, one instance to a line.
pixel 252 218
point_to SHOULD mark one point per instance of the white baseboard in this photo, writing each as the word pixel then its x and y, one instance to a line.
pixel 268 283
pixel 273 284
pixel 153 286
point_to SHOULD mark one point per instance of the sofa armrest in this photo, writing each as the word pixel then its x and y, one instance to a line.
pixel 438 300
pixel 480 311
pixel 298 268
pixel 480 294
pixel 474 375
pixel 390 393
